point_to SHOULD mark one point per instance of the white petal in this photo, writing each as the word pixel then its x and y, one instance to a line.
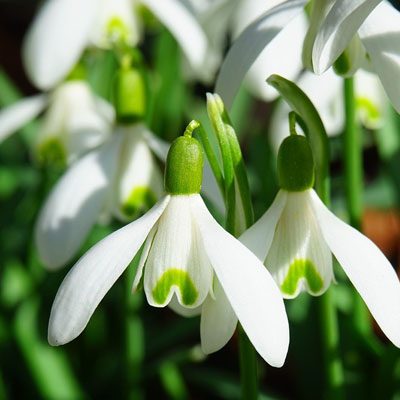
pixel 116 22
pixel 139 182
pixel 175 306
pixel 177 262
pixel 73 205
pixel 18 114
pixel 338 29
pixel 185 28
pixel 299 258
pixel 258 238
pixel 282 56
pixel 94 274
pixel 56 40
pixel 367 268
pixel 250 44
pixel 158 146
pixel 218 321
pixel 253 294
pixel 380 35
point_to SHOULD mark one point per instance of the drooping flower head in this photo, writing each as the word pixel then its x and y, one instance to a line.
pixel 188 261
pixel 296 237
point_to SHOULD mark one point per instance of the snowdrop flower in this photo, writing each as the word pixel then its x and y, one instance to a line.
pixel 64 28
pixel 119 178
pixel 188 259
pixel 361 33
pixel 75 121
pixel 296 237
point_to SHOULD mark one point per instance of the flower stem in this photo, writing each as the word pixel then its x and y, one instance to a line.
pixel 134 340
pixel 353 176
pixel 352 157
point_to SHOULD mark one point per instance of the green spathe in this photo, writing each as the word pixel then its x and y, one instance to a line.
pixel 129 95
pixel 296 170
pixel 184 167
pixel 180 279
pixel 302 269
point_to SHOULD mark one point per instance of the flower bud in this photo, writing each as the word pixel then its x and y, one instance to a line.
pixel 184 167
pixel 296 170
pixel 129 95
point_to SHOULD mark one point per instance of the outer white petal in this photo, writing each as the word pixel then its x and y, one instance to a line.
pixel 250 44
pixel 339 27
pixel 139 182
pixel 299 258
pixel 253 294
pixel 218 321
pixel 380 35
pixel 258 238
pixel 185 28
pixel 177 263
pixel 73 205
pixel 282 56
pixel 56 40
pixel 18 114
pixel 94 274
pixel 367 268
pixel 158 146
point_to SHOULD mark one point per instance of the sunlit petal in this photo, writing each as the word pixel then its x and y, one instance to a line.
pixel 338 29
pixel 94 274
pixel 262 314
pixel 218 321
pixel 367 268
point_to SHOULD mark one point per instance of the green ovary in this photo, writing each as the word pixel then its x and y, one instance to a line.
pixel 140 200
pixel 52 152
pixel 302 269
pixel 117 30
pixel 179 278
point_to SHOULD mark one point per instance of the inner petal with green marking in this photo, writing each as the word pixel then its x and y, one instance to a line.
pixel 52 152
pixel 302 269
pixel 117 30
pixel 181 280
pixel 139 201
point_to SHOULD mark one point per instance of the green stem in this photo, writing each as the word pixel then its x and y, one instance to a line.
pixel 352 157
pixel 134 340
pixel 353 176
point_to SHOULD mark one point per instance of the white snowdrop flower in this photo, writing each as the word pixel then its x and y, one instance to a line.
pixel 64 28
pixel 297 236
pixel 188 261
pixel 119 178
pixel 75 120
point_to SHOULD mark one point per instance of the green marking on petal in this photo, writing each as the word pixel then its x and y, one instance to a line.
pixel 302 269
pixel 140 200
pixel 367 105
pixel 179 278
pixel 117 31
pixel 52 152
